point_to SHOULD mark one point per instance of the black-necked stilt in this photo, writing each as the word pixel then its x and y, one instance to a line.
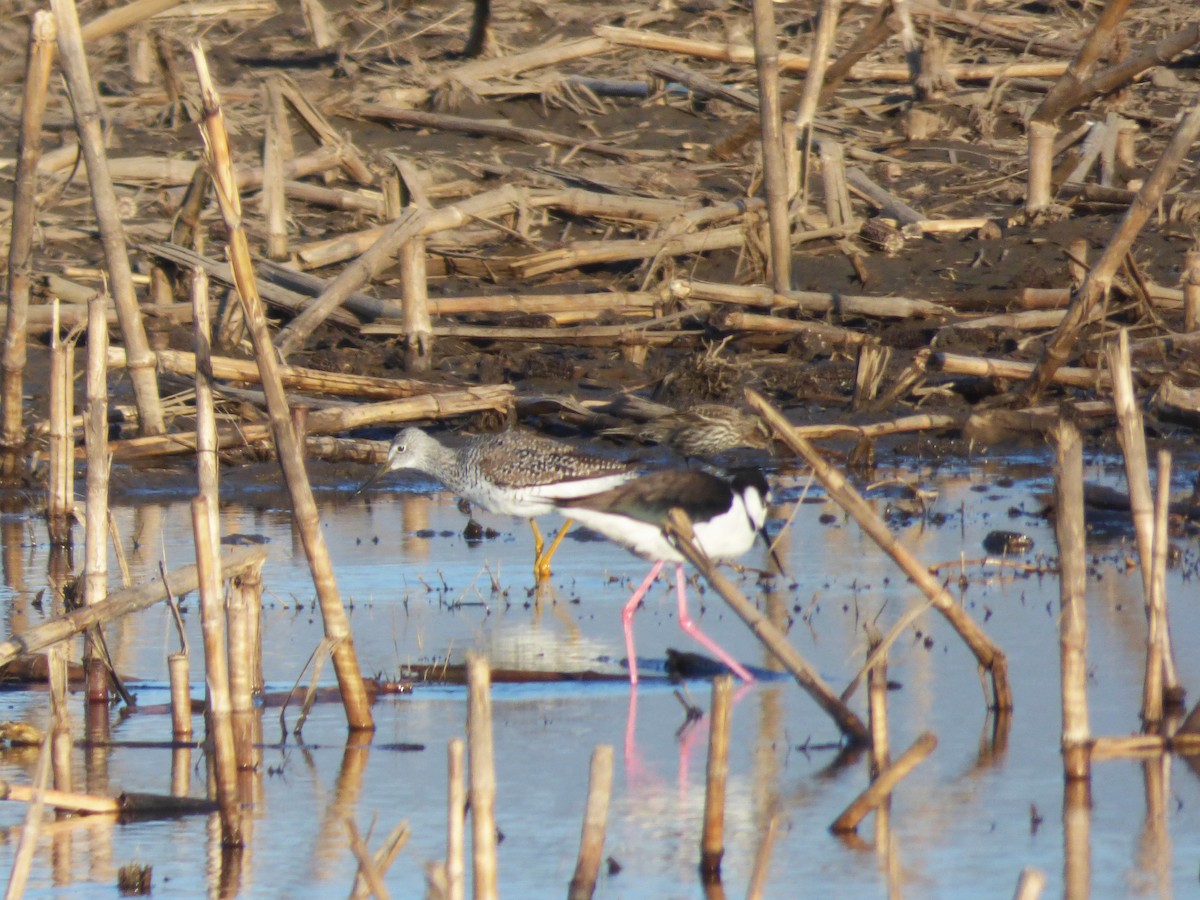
pixel 517 473
pixel 726 516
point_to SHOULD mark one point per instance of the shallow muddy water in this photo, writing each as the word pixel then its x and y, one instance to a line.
pixel 964 824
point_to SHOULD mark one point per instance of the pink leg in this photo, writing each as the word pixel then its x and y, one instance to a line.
pixel 627 618
pixel 686 623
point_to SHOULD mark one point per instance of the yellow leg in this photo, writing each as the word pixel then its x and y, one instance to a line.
pixel 541 564
pixel 540 572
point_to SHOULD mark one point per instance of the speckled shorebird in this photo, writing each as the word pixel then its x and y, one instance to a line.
pixel 515 473
pixel 702 431
pixel 726 517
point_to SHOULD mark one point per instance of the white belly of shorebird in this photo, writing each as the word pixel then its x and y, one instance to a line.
pixel 724 537
pixel 538 500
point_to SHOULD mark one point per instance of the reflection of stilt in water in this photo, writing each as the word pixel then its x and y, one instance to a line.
pixel 690 734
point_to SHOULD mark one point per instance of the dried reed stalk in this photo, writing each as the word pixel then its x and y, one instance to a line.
pixel 590 304
pixel 42 37
pixel 873 34
pixel 337 628
pixel 810 94
pixel 95 578
pixel 207 464
pixel 756 889
pixel 833 175
pixel 248 585
pixel 330 420
pixel 692 290
pixel 181 771
pixel 888 203
pixel 957 364
pixel 772 638
pixel 794 62
pixel 1099 279
pixel 60 512
pixel 755 324
pixel 380 254
pixel 367 870
pixel 595 821
pixel 179 671
pixel 1191 290
pixel 415 118
pixel 712 837
pixel 1132 436
pixel 414 293
pixel 274 195
pixel 120 603
pixel 881 788
pixel 1030 884
pixel 989 656
pixel 348 156
pixel 770 118
pixel 124 17
pixel 87 804
pixel 88 124
pixel 456 810
pixel 483 777
pixel 216 671
pixel 1157 632
pixel 1072 563
pixel 493 204
pixel 383 858
pixel 363 387
pixel 242 657
pixel 881 755
pixel 18 876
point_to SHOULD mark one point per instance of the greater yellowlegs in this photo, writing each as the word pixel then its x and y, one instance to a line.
pixel 703 430
pixel 726 517
pixel 514 472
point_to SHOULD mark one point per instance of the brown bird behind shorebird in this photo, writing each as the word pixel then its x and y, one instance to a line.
pixel 701 431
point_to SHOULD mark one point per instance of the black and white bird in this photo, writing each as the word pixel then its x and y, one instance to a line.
pixel 517 473
pixel 726 517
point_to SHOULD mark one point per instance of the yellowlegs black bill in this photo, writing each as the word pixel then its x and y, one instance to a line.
pixel 515 472
pixel 726 516
pixel 701 431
